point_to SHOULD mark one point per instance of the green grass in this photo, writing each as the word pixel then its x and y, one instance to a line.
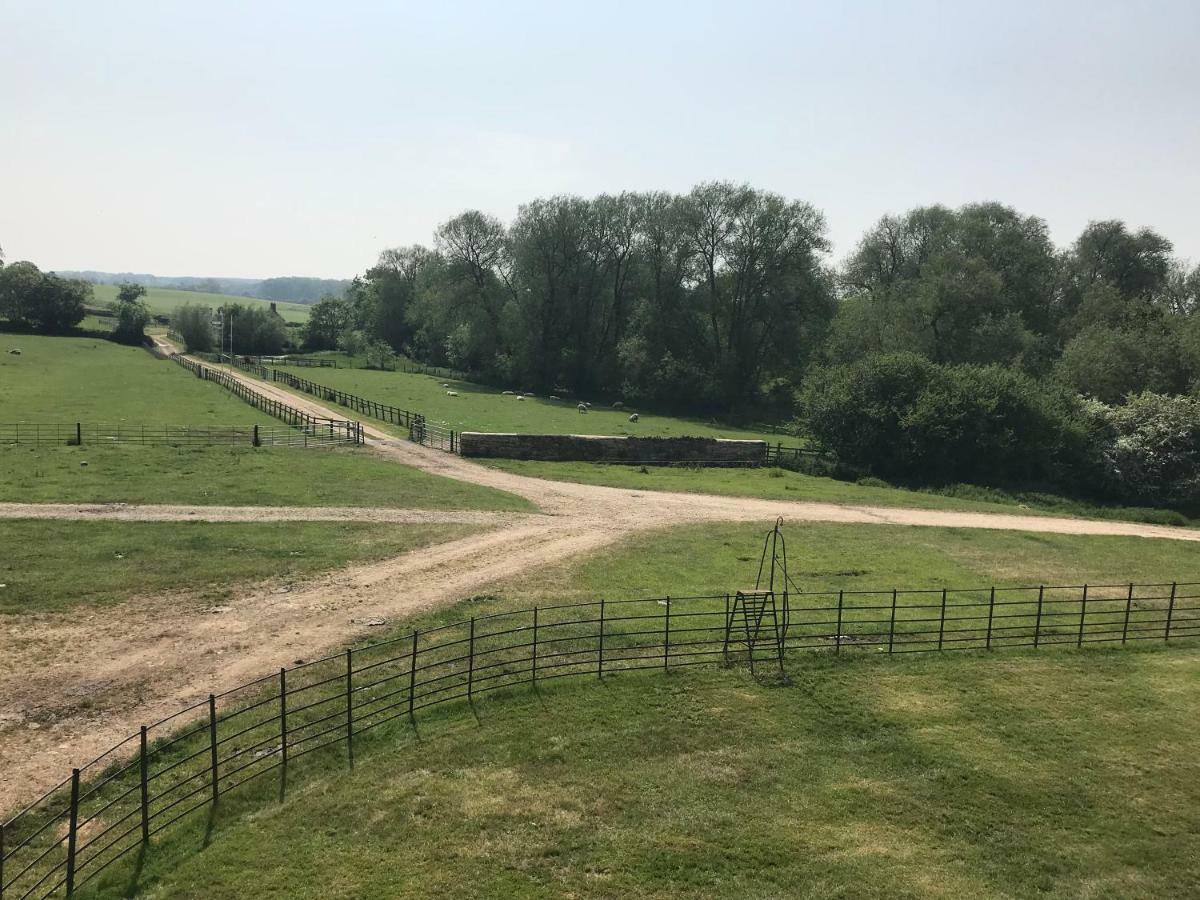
pixel 481 408
pixel 781 484
pixel 1066 774
pixel 58 379
pixel 52 566
pixel 163 301
pixel 267 476
pixel 1006 774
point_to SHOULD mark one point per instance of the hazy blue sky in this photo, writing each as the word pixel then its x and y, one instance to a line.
pixel 256 138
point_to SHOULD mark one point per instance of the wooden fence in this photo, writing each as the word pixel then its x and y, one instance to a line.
pixel 115 805
pixel 89 433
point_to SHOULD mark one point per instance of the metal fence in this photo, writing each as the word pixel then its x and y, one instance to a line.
pixel 177 766
pixel 89 433
pixel 351 431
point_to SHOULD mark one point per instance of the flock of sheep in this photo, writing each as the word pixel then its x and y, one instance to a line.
pixel 583 406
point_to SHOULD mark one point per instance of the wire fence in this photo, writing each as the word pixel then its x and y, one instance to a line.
pixel 351 432
pixel 90 433
pixel 116 804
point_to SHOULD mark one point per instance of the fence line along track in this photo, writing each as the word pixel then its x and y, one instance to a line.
pixel 90 433
pixel 343 431
pixel 114 805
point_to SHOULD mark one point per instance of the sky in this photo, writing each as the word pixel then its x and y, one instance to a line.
pixel 301 138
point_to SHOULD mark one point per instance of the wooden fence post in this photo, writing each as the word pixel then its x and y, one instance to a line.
pixel 212 744
pixel 942 621
pixel 1037 624
pixel 412 678
pixel 471 663
pixel 144 772
pixel 1128 608
pixel 837 647
pixel 1170 612
pixel 533 655
pixel 350 706
pixel 283 730
pixel 892 623
pixel 1082 616
pixel 78 434
pixel 72 831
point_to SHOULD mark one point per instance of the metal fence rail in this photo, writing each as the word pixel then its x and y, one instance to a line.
pixel 80 433
pixel 351 432
pixel 115 805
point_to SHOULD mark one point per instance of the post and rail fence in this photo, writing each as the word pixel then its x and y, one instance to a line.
pixel 90 433
pixel 118 803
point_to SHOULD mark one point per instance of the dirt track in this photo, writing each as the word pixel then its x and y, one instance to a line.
pixel 133 664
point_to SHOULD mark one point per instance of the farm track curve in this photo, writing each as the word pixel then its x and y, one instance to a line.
pixel 131 664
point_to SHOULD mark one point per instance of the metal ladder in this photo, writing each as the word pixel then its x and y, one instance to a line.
pixel 754 621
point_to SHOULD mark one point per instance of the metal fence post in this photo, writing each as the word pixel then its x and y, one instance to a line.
pixel 991 614
pixel 412 678
pixel 942 620
pixel 283 731
pixel 1082 616
pixel 78 434
pixel 533 655
pixel 1 859
pixel 892 623
pixel 144 772
pixel 1037 624
pixel 667 635
pixel 600 646
pixel 837 647
pixel 350 705
pixel 72 832
pixel 1128 608
pixel 1170 612
pixel 471 662
pixel 212 744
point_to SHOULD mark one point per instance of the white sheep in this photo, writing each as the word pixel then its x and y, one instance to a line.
pixel 519 397
pixel 445 385
pixel 506 393
pixel 582 407
pixel 633 418
pixel 451 393
pixel 553 397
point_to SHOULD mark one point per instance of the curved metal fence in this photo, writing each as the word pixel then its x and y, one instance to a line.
pixel 153 779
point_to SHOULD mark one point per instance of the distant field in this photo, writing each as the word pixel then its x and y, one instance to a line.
pixel 481 408
pixel 163 301
pixel 93 380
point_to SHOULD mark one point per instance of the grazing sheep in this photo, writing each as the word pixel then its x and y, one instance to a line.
pixel 451 393
pixel 582 407
pixel 506 393
pixel 633 418
pixel 519 397
pixel 529 393
pixel 618 405
pixel 445 385
pixel 552 397
pixel 588 405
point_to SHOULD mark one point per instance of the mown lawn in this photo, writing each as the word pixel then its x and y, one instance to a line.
pixel 50 566
pixel 1062 774
pixel 232 476
pixel 781 484
pixel 165 301
pixel 481 408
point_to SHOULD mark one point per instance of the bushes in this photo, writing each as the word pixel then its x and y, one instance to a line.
pixel 1151 449
pixel 42 300
pixel 194 324
pixel 902 417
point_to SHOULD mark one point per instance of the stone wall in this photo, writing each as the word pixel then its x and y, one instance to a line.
pixel 595 448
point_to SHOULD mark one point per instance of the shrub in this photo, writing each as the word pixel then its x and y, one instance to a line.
pixel 1151 449
pixel 194 324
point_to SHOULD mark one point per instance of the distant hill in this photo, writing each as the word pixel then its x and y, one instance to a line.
pixel 291 289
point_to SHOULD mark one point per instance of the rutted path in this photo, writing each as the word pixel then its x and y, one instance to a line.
pixel 146 512
pixel 72 685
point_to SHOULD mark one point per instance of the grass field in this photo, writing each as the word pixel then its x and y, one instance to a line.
pixel 481 408
pixel 268 476
pixel 163 301
pixel 41 568
pixel 781 484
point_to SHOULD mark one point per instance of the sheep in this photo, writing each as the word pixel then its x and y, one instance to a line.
pixel 582 407
pixel 506 393
pixel 553 397
pixel 446 385
pixel 15 352
pixel 588 405
pixel 451 393
pixel 618 405
pixel 529 393
pixel 519 397
pixel 633 418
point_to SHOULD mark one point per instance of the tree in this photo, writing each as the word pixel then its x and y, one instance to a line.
pixel 130 292
pixel 1152 449
pixel 132 318
pixel 194 324
pixel 326 321
pixel 29 296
